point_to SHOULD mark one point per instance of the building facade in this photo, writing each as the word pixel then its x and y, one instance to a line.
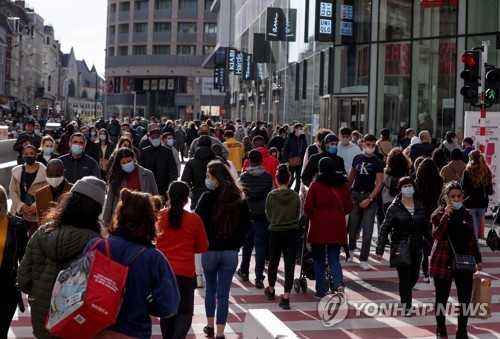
pixel 383 64
pixel 154 53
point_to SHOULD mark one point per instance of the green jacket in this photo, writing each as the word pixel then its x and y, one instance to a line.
pixel 283 210
pixel 48 252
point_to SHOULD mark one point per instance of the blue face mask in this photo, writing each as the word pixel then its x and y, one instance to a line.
pixel 76 149
pixel 102 137
pixel 155 142
pixel 407 191
pixel 209 184
pixel 170 142
pixel 332 149
pixel 48 150
pixel 128 167
pixel 456 205
pixel 86 135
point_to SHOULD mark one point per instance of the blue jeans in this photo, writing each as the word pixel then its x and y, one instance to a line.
pixel 319 253
pixel 362 219
pixel 258 236
pixel 219 268
pixel 477 218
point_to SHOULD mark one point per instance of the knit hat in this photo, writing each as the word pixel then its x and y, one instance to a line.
pixel 331 137
pixel 385 132
pixel 91 187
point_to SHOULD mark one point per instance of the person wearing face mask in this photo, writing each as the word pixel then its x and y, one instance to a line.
pixel 159 160
pixel 366 179
pixel 91 148
pixel 48 196
pixel 78 164
pixel 47 151
pixel 25 181
pixel 105 148
pixel 295 147
pixel 167 140
pixel 405 219
pixel 452 225
pixel 347 150
pixel 204 129
pixel 125 172
pixel 28 137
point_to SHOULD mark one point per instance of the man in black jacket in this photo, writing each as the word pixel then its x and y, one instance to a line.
pixel 257 184
pixel 78 164
pixel 160 161
pixel 28 137
pixel 423 149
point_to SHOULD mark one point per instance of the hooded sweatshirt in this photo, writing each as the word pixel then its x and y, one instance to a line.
pixel 257 184
pixel 283 210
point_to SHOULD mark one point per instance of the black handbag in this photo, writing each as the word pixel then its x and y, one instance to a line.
pixel 492 240
pixel 400 253
pixel 462 262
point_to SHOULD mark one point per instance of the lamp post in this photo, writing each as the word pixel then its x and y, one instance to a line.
pixel 95 97
pixel 135 103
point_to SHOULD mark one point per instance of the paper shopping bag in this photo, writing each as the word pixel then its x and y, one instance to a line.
pixel 481 297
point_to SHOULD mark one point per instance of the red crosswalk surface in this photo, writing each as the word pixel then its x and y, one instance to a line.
pixel 379 285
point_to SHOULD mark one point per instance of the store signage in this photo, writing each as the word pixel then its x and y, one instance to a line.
pixel 325 20
pixel 247 67
pixel 397 59
pixel 222 79
pixel 281 26
pixel 216 77
pixel 239 63
pixel 231 59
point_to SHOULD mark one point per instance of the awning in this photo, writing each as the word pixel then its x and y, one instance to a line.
pixel 5 107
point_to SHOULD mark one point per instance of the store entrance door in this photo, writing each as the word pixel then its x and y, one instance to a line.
pixel 351 112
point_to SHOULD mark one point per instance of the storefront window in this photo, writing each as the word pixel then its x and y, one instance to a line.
pixel 482 16
pixel 395 19
pixel 354 21
pixel 352 69
pixel 435 18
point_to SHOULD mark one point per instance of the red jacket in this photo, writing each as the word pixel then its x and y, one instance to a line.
pixel 269 163
pixel 327 207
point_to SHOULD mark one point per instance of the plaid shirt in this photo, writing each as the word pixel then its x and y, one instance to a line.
pixel 441 254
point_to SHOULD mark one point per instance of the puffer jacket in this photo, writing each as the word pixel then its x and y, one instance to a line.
pixel 257 184
pixel 49 251
pixel 195 172
pixel 401 224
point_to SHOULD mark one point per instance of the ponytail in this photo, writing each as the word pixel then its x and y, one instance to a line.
pixel 178 193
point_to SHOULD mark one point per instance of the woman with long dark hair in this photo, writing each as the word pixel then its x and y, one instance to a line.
pixel 477 186
pixel 397 166
pixel 452 226
pixel 226 218
pixel 67 228
pixel 125 172
pixel 151 285
pixel 13 240
pixel 106 148
pixel 182 235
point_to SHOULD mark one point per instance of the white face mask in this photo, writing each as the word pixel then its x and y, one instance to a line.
pixel 55 182
pixel 369 150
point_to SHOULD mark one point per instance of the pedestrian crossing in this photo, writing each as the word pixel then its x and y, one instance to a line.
pixel 378 285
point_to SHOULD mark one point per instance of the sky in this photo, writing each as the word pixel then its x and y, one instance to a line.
pixel 77 24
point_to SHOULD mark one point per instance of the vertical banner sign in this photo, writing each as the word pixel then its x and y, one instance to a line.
pixel 275 18
pixel 239 63
pixel 220 57
pixel 231 59
pixel 117 86
pixel 216 77
pixel 247 67
pixel 222 79
pixel 325 20
pixel 290 25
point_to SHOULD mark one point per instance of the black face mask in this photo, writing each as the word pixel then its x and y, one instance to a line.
pixel 29 160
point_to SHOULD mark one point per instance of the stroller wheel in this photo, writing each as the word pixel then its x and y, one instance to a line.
pixel 296 285
pixel 303 285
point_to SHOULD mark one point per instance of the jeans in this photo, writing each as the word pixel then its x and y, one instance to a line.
pixel 295 176
pixel 362 219
pixel 258 236
pixel 177 326
pixel 286 242
pixel 219 268
pixel 463 282
pixel 408 277
pixel 477 218
pixel 319 253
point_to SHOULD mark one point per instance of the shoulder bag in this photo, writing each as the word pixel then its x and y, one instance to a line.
pixel 400 255
pixel 462 262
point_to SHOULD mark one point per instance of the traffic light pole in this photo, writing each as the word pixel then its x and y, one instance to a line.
pixel 481 89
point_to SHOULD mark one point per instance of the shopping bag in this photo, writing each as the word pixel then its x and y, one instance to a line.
pixel 86 296
pixel 481 297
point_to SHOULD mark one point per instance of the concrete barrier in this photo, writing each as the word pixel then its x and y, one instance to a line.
pixel 262 324
pixel 8 159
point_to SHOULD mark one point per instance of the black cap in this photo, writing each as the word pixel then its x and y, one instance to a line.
pixel 385 132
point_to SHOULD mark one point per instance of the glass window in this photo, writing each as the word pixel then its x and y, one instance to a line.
pixel 482 16
pixel 123 50
pixel 208 4
pixel 395 19
pixel 111 51
pixel 435 19
pixel 141 5
pixel 186 50
pixel 161 49
pixel 188 4
pixel 210 27
pixel 141 27
pixel 139 50
pixel 124 6
pixel 123 28
pixel 112 8
pixel 354 24
pixel 112 30
pixel 394 85
pixel 352 69
pixel 207 50
pixel 162 27
pixel 187 27
pixel 163 4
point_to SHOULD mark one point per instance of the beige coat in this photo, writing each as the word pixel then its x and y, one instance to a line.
pixel 15 189
pixel 453 171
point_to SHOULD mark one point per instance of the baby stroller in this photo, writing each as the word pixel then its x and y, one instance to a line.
pixel 306 261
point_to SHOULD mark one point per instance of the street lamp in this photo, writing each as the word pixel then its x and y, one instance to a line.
pixel 135 103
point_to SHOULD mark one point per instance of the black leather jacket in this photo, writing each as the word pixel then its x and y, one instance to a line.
pixel 15 245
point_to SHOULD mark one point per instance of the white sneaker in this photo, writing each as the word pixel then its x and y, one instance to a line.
pixel 199 281
pixel 351 256
pixel 364 265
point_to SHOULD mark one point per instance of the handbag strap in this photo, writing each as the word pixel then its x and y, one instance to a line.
pixel 451 244
pixel 449 165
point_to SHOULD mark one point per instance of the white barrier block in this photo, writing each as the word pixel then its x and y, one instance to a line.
pixel 262 324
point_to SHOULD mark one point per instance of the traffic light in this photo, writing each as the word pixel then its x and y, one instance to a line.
pixel 492 85
pixel 470 76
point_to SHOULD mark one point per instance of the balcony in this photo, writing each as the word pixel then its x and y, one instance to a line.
pixel 162 36
pixel 112 18
pixel 122 38
pixel 210 37
pixel 111 39
pixel 141 14
pixel 163 14
pixel 154 60
pixel 124 16
pixel 140 37
pixel 187 13
pixel 186 37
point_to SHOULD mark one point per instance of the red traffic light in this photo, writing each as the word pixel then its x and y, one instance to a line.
pixel 470 58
